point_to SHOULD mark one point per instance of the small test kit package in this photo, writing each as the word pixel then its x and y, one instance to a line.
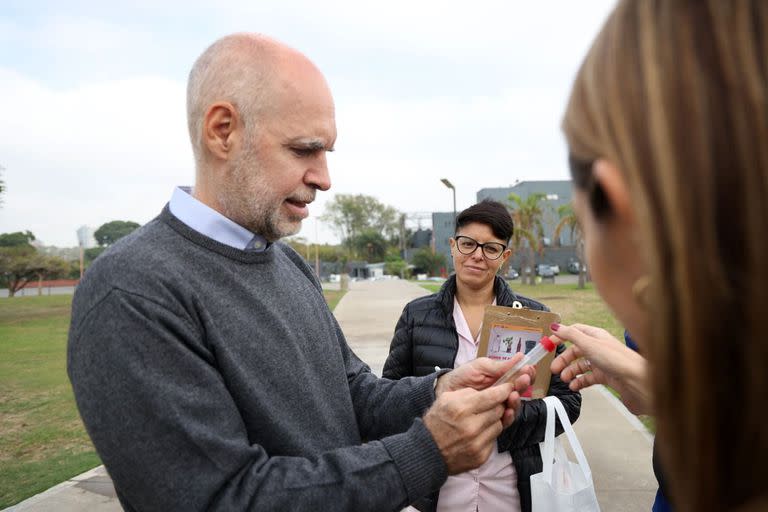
pixel 507 331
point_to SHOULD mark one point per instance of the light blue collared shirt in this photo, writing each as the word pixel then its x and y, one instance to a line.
pixel 207 221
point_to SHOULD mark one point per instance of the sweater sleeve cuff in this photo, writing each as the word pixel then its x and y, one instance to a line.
pixel 418 459
pixel 423 394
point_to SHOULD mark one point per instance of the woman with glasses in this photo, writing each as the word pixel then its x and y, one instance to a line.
pixel 442 330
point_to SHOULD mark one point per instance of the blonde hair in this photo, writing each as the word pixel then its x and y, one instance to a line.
pixel 675 93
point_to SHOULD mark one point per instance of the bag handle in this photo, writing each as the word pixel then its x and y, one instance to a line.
pixel 548 446
pixel 555 407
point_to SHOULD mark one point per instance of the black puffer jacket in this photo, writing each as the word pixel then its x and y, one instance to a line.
pixel 425 337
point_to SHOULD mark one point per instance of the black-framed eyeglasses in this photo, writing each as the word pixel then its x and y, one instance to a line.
pixel 491 250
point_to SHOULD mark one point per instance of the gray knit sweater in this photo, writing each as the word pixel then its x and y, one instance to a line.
pixel 214 378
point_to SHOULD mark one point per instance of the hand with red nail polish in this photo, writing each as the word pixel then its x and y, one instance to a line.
pixel 596 357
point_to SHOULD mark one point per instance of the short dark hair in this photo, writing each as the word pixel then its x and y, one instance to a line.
pixel 491 213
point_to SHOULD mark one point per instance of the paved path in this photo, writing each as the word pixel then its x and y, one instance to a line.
pixel 616 445
pixel 368 313
pixel 90 492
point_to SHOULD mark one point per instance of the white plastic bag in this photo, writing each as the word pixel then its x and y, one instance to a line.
pixel 562 486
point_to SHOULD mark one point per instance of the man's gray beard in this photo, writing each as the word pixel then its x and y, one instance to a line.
pixel 244 201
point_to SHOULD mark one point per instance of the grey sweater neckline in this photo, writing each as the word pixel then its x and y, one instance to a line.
pixel 201 240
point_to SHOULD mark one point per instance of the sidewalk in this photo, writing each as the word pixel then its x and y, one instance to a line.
pixel 616 444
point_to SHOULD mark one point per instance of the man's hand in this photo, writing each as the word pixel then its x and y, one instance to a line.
pixel 483 372
pixel 466 423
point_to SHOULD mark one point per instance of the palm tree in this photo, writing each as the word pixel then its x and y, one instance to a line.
pixel 569 221
pixel 526 215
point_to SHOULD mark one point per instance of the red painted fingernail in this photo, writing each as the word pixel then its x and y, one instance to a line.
pixel 554 327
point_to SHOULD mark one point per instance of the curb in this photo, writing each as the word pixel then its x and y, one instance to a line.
pixel 71 482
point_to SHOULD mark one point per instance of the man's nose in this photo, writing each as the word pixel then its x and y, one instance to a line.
pixel 317 176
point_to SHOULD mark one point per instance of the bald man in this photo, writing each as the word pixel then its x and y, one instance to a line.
pixel 206 366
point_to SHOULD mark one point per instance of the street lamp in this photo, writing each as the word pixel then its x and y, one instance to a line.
pixel 83 233
pixel 450 186
pixel 453 189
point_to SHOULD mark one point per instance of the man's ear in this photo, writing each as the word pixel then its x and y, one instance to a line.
pixel 222 129
pixel 611 187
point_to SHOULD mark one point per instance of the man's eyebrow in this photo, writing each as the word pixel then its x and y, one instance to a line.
pixel 311 144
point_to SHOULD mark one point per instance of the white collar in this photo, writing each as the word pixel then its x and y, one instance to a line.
pixel 207 221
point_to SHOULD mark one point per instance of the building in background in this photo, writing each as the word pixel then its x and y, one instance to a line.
pixel 421 238
pixel 442 231
pixel 556 194
pixel 418 240
pixel 365 270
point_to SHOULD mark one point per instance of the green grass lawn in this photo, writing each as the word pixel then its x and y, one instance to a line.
pixel 332 297
pixel 432 287
pixel 573 305
pixel 42 440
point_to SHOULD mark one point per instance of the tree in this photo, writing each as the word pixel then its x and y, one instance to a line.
pixel 325 252
pixel 351 215
pixel 526 215
pixel 111 232
pixel 16 239
pixel 17 267
pixel 569 221
pixel 47 267
pixel 300 245
pixel 20 262
pixel 332 253
pixel 73 270
pixel 369 245
pixel 92 253
pixel 396 266
pixel 428 261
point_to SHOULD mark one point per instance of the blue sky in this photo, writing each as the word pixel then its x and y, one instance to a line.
pixel 92 97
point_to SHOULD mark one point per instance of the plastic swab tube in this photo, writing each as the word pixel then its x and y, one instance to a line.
pixel 533 356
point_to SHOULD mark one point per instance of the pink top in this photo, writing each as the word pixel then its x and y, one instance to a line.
pixel 492 486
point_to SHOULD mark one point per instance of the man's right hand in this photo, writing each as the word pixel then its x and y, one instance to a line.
pixel 466 423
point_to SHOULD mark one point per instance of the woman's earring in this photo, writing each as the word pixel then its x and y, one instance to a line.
pixel 640 290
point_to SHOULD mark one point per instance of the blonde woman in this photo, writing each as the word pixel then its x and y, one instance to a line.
pixel 667 127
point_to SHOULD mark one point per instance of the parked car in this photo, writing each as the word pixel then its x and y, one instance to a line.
pixel 574 267
pixel 556 269
pixel 545 270
pixel 512 273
